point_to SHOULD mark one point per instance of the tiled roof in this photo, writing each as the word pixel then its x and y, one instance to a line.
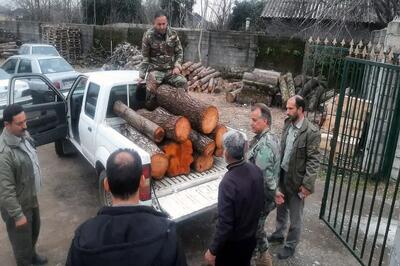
pixel 320 9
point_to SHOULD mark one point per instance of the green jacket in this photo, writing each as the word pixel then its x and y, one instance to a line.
pixel 264 152
pixel 304 160
pixel 161 53
pixel 17 179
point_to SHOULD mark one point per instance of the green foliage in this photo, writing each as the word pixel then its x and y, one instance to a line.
pixel 246 9
pixel 111 11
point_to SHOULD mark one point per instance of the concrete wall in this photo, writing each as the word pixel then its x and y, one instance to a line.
pixel 228 51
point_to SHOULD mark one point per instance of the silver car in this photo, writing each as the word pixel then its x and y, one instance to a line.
pixel 37 48
pixel 55 68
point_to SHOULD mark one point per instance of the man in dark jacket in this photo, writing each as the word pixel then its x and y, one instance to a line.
pixel 126 233
pixel 20 181
pixel 240 201
pixel 300 161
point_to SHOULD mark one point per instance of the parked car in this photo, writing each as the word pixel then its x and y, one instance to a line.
pixel 21 87
pixel 55 68
pixel 38 48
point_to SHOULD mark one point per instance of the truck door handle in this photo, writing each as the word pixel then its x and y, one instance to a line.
pixel 90 129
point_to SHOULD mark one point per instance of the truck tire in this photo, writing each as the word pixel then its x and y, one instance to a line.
pixel 104 196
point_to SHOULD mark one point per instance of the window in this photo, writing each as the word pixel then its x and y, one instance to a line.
pixel 9 66
pixel 33 91
pixel 137 96
pixel 91 99
pixel 45 50
pixel 25 66
pixel 24 50
pixel 54 65
pixel 117 93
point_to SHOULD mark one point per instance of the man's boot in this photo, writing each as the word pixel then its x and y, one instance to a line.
pixel 264 259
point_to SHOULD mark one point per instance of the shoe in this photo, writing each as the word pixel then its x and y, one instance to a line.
pixel 264 259
pixel 275 239
pixel 285 252
pixel 39 260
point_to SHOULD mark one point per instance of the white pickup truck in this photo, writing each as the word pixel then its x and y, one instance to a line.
pixel 82 119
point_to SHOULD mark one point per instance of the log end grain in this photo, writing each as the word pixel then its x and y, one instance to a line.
pixel 159 165
pixel 182 129
pixel 159 134
pixel 210 119
pixel 202 163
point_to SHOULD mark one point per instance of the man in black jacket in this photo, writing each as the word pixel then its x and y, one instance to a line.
pixel 240 201
pixel 126 233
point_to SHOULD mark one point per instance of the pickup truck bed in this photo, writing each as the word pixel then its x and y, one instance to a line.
pixel 184 196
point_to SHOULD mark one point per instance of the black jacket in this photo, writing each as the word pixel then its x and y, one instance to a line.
pixel 240 201
pixel 136 235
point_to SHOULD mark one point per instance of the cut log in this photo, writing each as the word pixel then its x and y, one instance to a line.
pixel 252 97
pixel 196 72
pixel 231 96
pixel 206 73
pixel 207 78
pixel 180 157
pixel 290 84
pixel 202 144
pixel 194 66
pixel 219 152
pixel 187 65
pixel 159 160
pixel 142 124
pixel 218 135
pixel 261 76
pixel 308 87
pixel 315 99
pixel 284 90
pixel 176 128
pixel 213 83
pixel 202 163
pixel 203 117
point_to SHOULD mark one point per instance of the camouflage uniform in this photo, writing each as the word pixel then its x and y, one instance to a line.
pixel 264 151
pixel 161 54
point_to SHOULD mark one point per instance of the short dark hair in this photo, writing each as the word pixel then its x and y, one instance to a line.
pixel 11 111
pixel 160 13
pixel 123 174
pixel 265 112
pixel 300 102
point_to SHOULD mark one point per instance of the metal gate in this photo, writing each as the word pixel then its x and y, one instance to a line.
pixel 363 171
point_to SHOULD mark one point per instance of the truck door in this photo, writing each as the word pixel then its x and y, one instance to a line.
pixel 44 105
pixel 87 124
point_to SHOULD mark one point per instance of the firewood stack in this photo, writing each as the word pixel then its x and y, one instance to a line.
pixel 125 56
pixel 66 39
pixel 181 134
pixel 201 78
pixel 8 49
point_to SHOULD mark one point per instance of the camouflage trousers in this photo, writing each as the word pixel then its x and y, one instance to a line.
pixel 166 77
pixel 261 235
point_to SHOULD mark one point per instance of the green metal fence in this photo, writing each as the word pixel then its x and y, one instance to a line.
pixel 363 170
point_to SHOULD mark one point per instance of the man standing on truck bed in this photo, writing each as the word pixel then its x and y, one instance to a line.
pixel 20 180
pixel 162 55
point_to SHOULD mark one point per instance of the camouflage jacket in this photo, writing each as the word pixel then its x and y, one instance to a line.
pixel 160 52
pixel 264 151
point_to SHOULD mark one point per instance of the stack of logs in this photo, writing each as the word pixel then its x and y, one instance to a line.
pixel 314 90
pixel 125 56
pixel 8 49
pixel 201 78
pixel 180 134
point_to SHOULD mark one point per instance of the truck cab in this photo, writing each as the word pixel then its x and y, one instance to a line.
pixel 83 120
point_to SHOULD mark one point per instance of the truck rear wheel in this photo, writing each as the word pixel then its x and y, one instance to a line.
pixel 104 196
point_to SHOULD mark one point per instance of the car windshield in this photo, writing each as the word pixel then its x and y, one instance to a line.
pixel 54 65
pixel 3 74
pixel 45 50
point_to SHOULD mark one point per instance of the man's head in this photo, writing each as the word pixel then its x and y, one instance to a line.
pixel 124 174
pixel 234 146
pixel 15 120
pixel 260 118
pixel 295 107
pixel 160 22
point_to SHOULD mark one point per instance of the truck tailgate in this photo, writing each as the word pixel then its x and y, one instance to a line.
pixel 185 196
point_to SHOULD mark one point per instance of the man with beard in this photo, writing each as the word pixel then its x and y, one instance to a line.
pixel 162 56
pixel 20 180
pixel 264 153
pixel 300 161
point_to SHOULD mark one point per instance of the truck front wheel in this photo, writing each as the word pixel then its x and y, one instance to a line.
pixel 104 196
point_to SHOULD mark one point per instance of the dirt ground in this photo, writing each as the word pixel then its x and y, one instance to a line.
pixel 69 197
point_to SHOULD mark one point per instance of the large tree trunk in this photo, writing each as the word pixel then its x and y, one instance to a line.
pixel 142 124
pixel 202 144
pixel 180 157
pixel 203 117
pixel 176 128
pixel 218 135
pixel 159 161
pixel 262 77
pixel 202 163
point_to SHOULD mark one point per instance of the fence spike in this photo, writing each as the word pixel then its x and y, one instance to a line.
pixel 334 42
pixel 364 52
pixel 360 44
pixel 351 51
pixel 352 42
pixel 326 41
pixel 318 41
pixel 372 55
pixel 369 45
pixel 310 41
pixel 379 47
pixel 356 51
pixel 343 43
